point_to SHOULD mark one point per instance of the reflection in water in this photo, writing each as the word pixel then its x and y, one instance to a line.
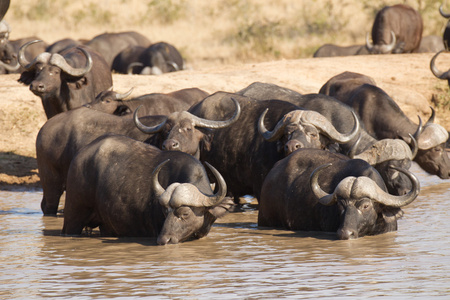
pixel 236 260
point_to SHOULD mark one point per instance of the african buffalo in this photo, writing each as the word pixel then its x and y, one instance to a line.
pixel 383 118
pixel 111 44
pixel 9 63
pixel 157 59
pixel 446 35
pixel 396 29
pixel 339 115
pixel 152 104
pixel 62 136
pixel 331 50
pixel 315 190
pixel 343 84
pixel 125 58
pixel 239 151
pixel 61 45
pixel 67 80
pixel 431 44
pixel 128 189
pixel 444 75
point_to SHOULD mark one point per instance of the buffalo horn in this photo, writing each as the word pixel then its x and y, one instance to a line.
pixel 388 48
pixel 123 96
pixel 276 133
pixel 187 194
pixel 369 44
pixel 399 201
pixel 132 65
pixel 387 149
pixel 326 127
pixel 436 72
pixel 433 115
pixel 59 61
pixel 43 57
pixel 9 67
pixel 200 122
pixel 441 11
pixel 142 127
pixel 324 197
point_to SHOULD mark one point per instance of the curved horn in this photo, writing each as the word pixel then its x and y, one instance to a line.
pixel 433 115
pixel 414 146
pixel 399 201
pixel 200 122
pixel 441 11
pixel 324 197
pixel 123 96
pixel 9 67
pixel 352 151
pixel 276 133
pixel 158 189
pixel 132 65
pixel 179 194
pixel 419 129
pixel 173 64
pixel 369 44
pixel 59 61
pixel 389 47
pixel 436 72
pixel 21 55
pixel 386 150
pixel 142 127
pixel 325 125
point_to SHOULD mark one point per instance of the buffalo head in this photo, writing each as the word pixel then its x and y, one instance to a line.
pixel 387 156
pixel 111 102
pixel 362 203
pixel 305 129
pixel 189 212
pixel 47 71
pixel 431 155
pixel 382 48
pixel 181 130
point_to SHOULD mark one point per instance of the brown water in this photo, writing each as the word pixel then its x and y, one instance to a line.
pixel 236 260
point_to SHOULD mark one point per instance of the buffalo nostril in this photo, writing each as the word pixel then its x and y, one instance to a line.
pixel 171 145
pixel 347 234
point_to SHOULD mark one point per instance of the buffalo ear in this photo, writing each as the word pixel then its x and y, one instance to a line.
pixel 122 110
pixel 222 208
pixel 207 140
pixel 26 77
pixel 399 48
pixel 390 216
pixel 81 82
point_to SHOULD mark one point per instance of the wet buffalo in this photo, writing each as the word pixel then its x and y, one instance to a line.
pixel 383 118
pixel 128 189
pixel 315 190
pixel 150 104
pixel 67 80
pixel 396 29
pixel 340 115
pixel 62 136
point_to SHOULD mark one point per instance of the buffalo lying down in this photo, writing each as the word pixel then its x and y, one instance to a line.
pixel 143 192
pixel 315 190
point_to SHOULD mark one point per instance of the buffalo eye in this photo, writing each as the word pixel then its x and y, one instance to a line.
pixel 183 213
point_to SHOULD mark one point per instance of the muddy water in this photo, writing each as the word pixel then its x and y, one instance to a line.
pixel 236 260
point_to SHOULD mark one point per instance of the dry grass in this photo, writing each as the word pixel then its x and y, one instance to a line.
pixel 215 31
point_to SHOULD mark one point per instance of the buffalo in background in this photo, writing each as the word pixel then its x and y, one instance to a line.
pixel 109 45
pixel 396 29
pixel 157 59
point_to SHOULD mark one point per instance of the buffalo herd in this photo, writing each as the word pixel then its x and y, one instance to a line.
pixel 336 161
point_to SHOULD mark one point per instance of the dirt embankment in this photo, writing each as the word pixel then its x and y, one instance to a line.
pixel 406 78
